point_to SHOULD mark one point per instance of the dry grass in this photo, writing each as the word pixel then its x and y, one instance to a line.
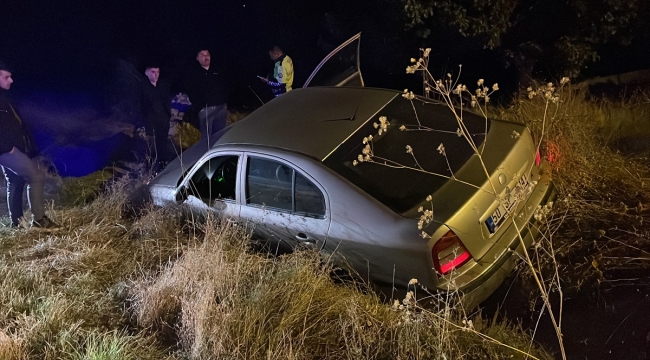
pixel 602 218
pixel 222 301
pixel 149 284
pixel 234 116
pixel 66 292
pixel 187 135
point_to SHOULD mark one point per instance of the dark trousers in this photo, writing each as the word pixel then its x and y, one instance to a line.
pixel 212 119
pixel 161 151
pixel 19 170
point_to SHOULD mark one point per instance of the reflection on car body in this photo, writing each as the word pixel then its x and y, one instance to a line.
pixel 288 168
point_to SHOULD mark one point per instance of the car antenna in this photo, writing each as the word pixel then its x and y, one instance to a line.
pixel 258 98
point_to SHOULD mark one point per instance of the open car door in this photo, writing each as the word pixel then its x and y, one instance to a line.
pixel 341 67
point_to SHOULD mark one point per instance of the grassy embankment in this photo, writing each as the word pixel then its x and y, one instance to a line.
pixel 601 221
pixel 157 286
pixel 113 285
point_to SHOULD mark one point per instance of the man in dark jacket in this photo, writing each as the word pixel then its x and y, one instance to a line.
pixel 16 149
pixel 155 103
pixel 207 90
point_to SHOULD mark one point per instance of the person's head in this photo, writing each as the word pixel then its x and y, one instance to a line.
pixel 153 73
pixel 203 57
pixel 5 77
pixel 275 53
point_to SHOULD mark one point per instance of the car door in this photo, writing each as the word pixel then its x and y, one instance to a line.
pixel 341 67
pixel 284 205
pixel 213 185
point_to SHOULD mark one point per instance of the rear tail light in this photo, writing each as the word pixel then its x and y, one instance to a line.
pixel 538 158
pixel 449 253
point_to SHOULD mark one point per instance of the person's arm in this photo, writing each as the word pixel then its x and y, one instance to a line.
pixel 31 149
pixel 287 72
pixel 166 91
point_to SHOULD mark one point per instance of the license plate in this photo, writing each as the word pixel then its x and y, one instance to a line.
pixel 502 212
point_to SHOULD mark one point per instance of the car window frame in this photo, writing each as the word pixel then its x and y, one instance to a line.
pixel 244 178
pixel 206 157
pixel 326 59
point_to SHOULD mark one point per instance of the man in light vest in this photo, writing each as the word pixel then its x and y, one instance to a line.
pixel 282 72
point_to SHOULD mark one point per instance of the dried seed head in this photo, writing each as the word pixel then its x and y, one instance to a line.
pixel 441 149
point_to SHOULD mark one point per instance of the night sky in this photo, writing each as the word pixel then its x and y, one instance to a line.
pixel 70 45
pixel 67 56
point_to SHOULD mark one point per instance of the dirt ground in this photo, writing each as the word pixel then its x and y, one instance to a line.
pixel 606 323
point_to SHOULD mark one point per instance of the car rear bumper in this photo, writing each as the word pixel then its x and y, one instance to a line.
pixel 481 278
pixel 487 282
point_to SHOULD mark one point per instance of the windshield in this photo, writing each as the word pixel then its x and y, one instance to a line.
pixel 401 189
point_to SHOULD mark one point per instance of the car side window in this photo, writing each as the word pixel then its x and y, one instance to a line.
pixel 276 185
pixel 269 183
pixel 309 198
pixel 216 179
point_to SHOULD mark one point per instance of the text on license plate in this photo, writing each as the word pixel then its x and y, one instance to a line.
pixel 502 212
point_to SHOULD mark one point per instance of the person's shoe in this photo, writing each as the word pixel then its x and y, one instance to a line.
pixel 45 224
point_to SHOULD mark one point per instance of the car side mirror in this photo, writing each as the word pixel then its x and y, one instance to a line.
pixel 219 205
pixel 182 194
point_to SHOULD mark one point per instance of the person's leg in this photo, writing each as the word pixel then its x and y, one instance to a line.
pixel 26 168
pixel 141 151
pixel 156 152
pixel 15 188
pixel 220 116
pixel 205 120
pixel 165 150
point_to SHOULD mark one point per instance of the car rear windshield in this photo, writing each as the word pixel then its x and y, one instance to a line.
pixel 391 177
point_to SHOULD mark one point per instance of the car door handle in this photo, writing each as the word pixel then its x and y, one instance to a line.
pixel 302 236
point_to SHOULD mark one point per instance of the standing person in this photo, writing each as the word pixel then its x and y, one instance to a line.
pixel 282 72
pixel 208 93
pixel 155 104
pixel 16 149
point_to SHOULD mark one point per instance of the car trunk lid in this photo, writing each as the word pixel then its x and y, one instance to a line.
pixel 478 210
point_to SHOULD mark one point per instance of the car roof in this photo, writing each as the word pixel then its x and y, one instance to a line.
pixel 311 121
